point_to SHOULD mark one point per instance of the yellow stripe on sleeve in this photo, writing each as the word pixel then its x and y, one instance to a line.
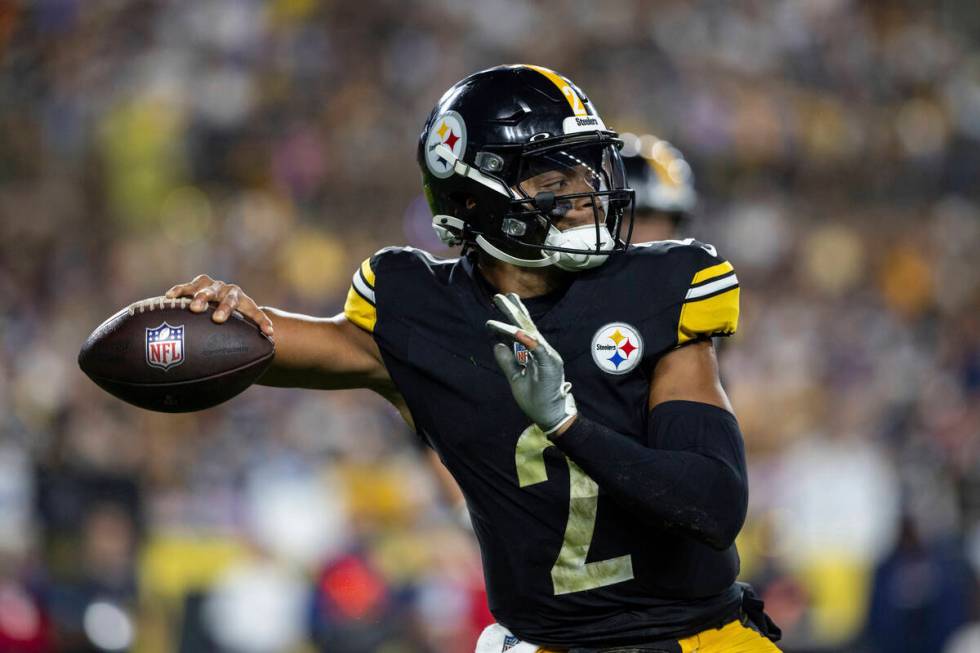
pixel 714 271
pixel 711 316
pixel 369 273
pixel 360 311
pixel 359 307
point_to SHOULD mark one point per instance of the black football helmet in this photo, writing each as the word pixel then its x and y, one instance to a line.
pixel 497 129
pixel 660 177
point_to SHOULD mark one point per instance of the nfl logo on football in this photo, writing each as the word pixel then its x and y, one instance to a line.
pixel 165 346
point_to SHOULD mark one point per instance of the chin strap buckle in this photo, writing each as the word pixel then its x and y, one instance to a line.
pixel 448 229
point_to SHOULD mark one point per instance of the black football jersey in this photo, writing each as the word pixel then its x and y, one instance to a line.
pixel 564 563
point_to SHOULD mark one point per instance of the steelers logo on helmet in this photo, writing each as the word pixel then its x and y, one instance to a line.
pixel 449 130
pixel 617 348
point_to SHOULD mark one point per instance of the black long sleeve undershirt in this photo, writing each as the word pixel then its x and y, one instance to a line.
pixel 690 474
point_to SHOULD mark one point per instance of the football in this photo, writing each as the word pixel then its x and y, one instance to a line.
pixel 157 354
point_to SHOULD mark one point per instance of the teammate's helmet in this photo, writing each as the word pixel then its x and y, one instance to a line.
pixel 498 128
pixel 659 175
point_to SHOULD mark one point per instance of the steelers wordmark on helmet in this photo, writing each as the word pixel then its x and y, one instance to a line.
pixel 450 130
pixel 617 348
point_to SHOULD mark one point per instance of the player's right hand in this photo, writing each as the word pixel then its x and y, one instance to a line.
pixel 539 388
pixel 228 296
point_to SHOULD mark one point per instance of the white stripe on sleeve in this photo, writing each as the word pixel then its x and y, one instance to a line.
pixel 362 287
pixel 711 288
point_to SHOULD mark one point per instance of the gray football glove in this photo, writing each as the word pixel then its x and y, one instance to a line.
pixel 539 387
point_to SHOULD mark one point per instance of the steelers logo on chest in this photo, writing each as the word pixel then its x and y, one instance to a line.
pixel 617 348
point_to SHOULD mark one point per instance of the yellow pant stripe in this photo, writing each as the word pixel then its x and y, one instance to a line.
pixel 733 637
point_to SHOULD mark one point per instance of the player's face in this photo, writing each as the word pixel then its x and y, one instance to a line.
pixel 571 212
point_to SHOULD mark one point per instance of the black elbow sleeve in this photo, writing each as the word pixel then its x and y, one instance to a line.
pixel 689 475
pixel 717 490
pixel 734 492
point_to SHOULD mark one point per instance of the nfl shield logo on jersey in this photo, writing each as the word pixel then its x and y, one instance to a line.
pixel 165 346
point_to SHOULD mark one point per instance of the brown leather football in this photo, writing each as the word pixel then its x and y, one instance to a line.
pixel 157 354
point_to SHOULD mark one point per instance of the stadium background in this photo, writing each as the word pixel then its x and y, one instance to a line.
pixel 835 146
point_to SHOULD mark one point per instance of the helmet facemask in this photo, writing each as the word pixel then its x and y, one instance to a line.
pixel 568 204
pixel 577 187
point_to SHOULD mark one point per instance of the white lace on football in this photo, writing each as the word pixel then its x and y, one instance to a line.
pixel 154 303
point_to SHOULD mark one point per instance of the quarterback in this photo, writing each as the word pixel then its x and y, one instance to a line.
pixel 566 378
pixel 664 199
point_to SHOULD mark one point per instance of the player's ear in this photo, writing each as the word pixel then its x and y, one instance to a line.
pixel 464 205
pixel 468 208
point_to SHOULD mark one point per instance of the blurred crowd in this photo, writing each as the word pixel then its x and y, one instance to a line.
pixel 272 143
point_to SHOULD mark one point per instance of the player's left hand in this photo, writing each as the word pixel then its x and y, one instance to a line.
pixel 539 387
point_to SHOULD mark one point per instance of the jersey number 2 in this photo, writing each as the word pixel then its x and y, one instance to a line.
pixel 571 573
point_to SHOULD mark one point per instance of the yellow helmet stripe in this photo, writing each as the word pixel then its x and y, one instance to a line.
pixel 574 101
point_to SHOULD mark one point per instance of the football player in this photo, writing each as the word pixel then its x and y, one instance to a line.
pixel 566 379
pixel 665 197
pixel 664 186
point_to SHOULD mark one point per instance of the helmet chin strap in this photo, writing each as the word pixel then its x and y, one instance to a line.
pixel 470 172
pixel 498 253
pixel 572 238
pixel 582 238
